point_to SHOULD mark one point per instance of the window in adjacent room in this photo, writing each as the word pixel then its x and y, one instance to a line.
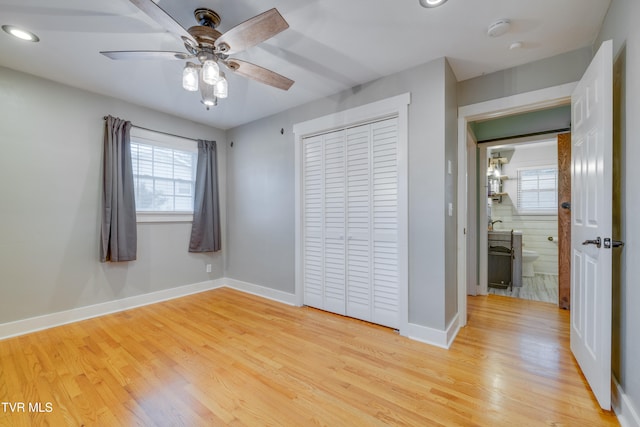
pixel 538 190
pixel 164 168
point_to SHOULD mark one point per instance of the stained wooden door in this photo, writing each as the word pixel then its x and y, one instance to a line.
pixel 564 221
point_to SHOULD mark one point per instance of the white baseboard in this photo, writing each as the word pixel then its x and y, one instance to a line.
pixel 437 337
pixel 453 329
pixel 622 406
pixel 262 291
pixel 33 324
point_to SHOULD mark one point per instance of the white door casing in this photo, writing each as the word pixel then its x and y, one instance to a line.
pixel 591 193
pixel 501 107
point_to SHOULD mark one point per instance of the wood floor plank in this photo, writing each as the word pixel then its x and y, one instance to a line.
pixel 223 358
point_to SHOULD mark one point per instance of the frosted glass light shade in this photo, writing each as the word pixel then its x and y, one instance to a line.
pixel 222 87
pixel 190 77
pixel 207 93
pixel 210 72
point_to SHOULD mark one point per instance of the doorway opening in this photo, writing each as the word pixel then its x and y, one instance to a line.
pixel 520 194
pixel 473 220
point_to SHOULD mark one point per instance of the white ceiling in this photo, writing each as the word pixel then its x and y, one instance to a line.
pixel 331 45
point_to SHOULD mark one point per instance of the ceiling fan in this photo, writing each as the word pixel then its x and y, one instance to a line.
pixel 210 47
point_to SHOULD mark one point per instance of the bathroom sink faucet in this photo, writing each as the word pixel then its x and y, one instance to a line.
pixel 492 223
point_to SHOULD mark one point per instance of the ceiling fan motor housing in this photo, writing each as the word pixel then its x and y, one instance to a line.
pixel 207 17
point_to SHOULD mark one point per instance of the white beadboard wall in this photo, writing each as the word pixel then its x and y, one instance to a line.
pixel 536 229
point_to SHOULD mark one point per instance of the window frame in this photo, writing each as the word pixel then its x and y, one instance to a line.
pixel 528 211
pixel 158 139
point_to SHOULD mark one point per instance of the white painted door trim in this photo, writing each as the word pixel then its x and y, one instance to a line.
pixel 538 99
pixel 395 106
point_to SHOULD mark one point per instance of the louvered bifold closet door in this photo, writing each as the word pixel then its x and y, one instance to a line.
pixel 385 280
pixel 334 222
pixel 358 284
pixel 313 221
pixel 350 223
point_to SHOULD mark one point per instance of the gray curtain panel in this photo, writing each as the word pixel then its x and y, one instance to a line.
pixel 205 229
pixel 119 232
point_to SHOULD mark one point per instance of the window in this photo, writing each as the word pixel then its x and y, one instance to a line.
pixel 164 170
pixel 538 190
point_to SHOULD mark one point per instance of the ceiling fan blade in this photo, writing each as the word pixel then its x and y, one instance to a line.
pixel 145 54
pixel 257 73
pixel 251 32
pixel 158 14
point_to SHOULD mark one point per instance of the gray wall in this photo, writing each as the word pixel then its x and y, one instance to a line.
pixel 622 27
pixel 260 206
pixel 560 69
pixel 451 194
pixel 50 170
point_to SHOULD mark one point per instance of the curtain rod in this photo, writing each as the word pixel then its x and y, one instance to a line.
pixel 157 131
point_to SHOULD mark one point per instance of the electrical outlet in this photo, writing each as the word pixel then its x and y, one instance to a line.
pixel 208 268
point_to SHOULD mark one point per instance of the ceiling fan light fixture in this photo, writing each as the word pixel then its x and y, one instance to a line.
pixel 210 71
pixel 431 3
pixel 190 77
pixel 221 89
pixel 209 46
pixel 20 33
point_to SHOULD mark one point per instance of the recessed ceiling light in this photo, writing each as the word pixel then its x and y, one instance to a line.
pixel 431 3
pixel 20 33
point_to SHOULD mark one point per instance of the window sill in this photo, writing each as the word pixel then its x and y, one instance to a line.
pixel 151 217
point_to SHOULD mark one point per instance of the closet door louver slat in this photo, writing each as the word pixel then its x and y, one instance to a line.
pixel 334 222
pixel 385 222
pixel 358 282
pixel 313 247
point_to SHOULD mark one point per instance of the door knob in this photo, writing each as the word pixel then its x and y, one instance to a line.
pixel 597 242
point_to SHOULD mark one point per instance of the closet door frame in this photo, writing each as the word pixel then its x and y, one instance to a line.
pixel 397 106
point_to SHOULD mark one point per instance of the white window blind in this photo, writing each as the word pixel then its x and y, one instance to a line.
pixel 538 190
pixel 163 174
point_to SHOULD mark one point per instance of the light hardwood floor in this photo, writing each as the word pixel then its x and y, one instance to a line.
pixel 227 358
